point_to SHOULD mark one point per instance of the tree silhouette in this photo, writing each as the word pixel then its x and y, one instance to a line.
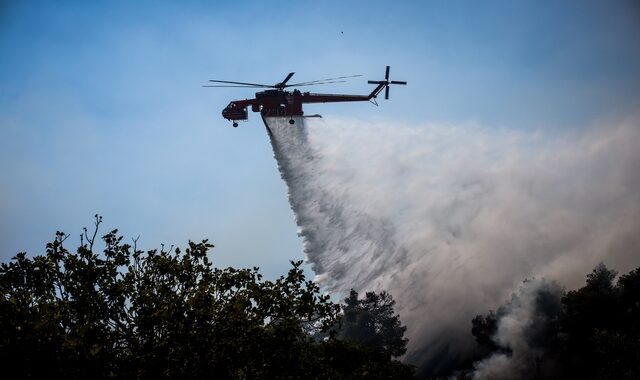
pixel 601 326
pixel 484 328
pixel 167 313
pixel 372 321
pixel 595 334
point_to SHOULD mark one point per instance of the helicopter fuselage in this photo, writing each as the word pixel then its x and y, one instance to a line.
pixel 276 101
pixel 287 103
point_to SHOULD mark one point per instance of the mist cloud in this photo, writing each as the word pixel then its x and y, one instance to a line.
pixel 523 329
pixel 450 219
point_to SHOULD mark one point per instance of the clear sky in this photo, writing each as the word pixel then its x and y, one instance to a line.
pixel 102 109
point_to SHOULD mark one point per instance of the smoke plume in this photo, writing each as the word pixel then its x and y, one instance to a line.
pixel 451 219
pixel 525 327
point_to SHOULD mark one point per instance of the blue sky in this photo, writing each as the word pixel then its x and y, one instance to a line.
pixel 101 109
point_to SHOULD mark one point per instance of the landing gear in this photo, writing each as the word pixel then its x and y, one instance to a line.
pixel 235 125
pixel 292 122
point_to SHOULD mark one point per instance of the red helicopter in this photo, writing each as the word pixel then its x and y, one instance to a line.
pixel 278 102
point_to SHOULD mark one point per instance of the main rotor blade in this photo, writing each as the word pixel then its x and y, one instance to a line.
pixel 290 85
pixel 397 82
pixel 322 80
pixel 386 92
pixel 236 86
pixel 286 79
pixel 313 84
pixel 376 82
pixel 386 75
pixel 242 83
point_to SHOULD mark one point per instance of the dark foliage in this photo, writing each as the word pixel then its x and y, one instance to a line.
pixel 595 334
pixel 371 321
pixel 484 328
pixel 601 326
pixel 168 314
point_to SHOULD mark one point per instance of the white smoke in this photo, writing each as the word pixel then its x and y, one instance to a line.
pixel 450 219
pixel 523 329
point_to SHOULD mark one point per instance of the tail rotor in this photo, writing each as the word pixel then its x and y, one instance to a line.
pixel 386 82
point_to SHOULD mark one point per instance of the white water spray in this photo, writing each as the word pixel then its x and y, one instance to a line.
pixel 451 219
